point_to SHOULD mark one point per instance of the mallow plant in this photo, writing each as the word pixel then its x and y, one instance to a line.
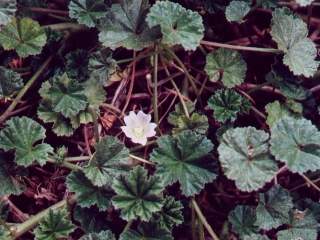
pixel 158 119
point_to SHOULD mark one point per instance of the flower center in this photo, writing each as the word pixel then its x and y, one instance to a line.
pixel 138 132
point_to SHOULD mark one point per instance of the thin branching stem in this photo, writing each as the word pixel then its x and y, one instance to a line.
pixel 155 87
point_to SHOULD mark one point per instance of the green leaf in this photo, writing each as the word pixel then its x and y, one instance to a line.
pixel 87 12
pixel 170 214
pixel 23 35
pixel 7 11
pixel 91 219
pixel 146 231
pixel 178 25
pixel 276 111
pixel 302 225
pixel 267 3
pixel 244 157
pixel 304 3
pixel 290 33
pixel 137 195
pixel 9 183
pixel 61 125
pixel 87 194
pixel 255 237
pixel 67 96
pixel 104 235
pixel 5 233
pixel 196 122
pixel 20 135
pixel 296 143
pixel 125 26
pixel 77 65
pixel 102 66
pixel 10 82
pixel 183 159
pixel 95 93
pixel 243 219
pixel 109 161
pixel 273 208
pixel 226 65
pixel 54 226
pixel 227 104
pixel 237 10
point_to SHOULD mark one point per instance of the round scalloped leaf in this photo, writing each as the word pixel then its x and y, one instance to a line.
pixel 87 12
pixel 109 161
pixel 304 3
pixel 237 10
pixel 273 208
pixel 244 157
pixel 10 82
pixel 296 143
pixel 146 231
pixel 76 65
pixel 302 225
pixel 23 35
pixel 178 25
pixel 125 26
pixel 87 194
pixel 104 235
pixel 138 196
pixel 184 159
pixel 290 33
pixel 55 225
pixel 276 111
pixel 226 65
pixel 227 104
pixel 255 236
pixel 20 135
pixel 242 219
pixel 7 11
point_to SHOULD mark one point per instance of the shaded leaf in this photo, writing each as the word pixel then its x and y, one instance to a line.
pixel 87 12
pixel 10 82
pixel 54 226
pixel 290 33
pixel 7 11
pixel 23 35
pixel 102 65
pixel 91 219
pixel 304 3
pixel 303 225
pixel 146 231
pixel 183 159
pixel 95 93
pixel 237 10
pixel 109 161
pixel 138 196
pixel 104 235
pixel 296 143
pixel 227 104
pixel 243 220
pixel 20 135
pixel 226 65
pixel 178 25
pixel 244 157
pixel 77 65
pixel 125 26
pixel 87 194
pixel 273 209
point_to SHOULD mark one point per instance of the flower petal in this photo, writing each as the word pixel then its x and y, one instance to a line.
pixel 144 118
pixel 150 131
pixel 127 131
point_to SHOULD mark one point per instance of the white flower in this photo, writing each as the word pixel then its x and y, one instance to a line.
pixel 139 127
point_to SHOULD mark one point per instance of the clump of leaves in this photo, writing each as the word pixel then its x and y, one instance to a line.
pixel 10 82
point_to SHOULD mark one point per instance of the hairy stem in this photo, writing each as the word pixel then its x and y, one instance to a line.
pixel 243 48
pixel 23 91
pixel 203 220
pixel 95 124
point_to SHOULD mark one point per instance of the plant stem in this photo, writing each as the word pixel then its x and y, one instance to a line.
pixel 23 91
pixel 47 10
pixel 201 232
pixel 128 225
pixel 34 220
pixel 77 159
pixel 310 182
pixel 71 166
pixel 95 124
pixel 193 223
pixel 155 87
pixel 64 26
pixel 243 48
pixel 204 220
pixel 190 78
pixel 141 159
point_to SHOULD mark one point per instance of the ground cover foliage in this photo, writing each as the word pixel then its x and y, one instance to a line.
pixel 138 119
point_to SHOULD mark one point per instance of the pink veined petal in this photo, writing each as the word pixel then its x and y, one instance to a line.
pixel 144 118
pixel 150 131
pixel 127 131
